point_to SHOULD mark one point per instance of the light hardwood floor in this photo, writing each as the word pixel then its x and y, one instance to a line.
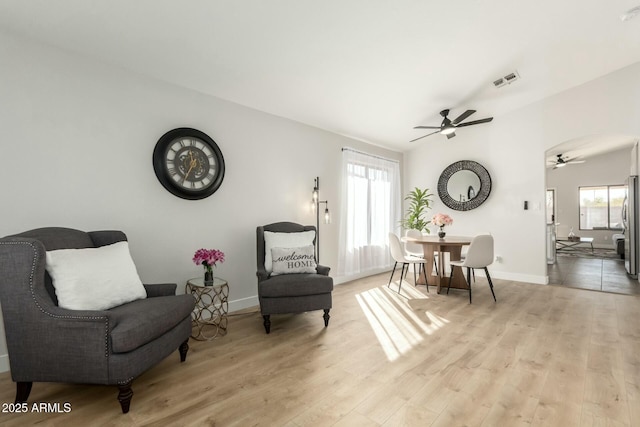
pixel 541 356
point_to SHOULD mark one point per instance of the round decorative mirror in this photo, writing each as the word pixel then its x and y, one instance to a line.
pixel 464 185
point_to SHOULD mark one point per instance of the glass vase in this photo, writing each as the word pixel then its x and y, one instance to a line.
pixel 208 278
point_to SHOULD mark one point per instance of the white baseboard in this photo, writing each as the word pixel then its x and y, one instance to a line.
pixel 344 279
pixel 241 304
pixel 503 275
pixel 516 277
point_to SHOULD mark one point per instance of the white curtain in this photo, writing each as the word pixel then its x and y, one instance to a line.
pixel 371 209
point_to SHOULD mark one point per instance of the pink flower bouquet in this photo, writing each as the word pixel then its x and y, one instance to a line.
pixel 208 258
pixel 441 220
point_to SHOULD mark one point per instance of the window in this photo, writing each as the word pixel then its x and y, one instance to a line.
pixel 371 210
pixel 601 207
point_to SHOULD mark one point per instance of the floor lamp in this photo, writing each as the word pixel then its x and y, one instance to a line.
pixel 315 203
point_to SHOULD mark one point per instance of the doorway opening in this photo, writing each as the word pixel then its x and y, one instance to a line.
pixel 583 221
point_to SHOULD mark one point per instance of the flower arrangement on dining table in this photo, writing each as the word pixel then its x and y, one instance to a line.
pixel 441 220
pixel 208 258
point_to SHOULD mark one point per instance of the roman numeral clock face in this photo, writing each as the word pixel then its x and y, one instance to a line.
pixel 188 163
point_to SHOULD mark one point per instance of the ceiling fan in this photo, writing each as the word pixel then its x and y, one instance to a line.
pixel 563 161
pixel 448 127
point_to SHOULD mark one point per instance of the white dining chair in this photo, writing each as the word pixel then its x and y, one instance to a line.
pixel 412 248
pixel 479 255
pixel 463 255
pixel 415 249
pixel 398 255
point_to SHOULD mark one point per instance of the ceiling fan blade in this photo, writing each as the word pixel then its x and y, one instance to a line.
pixel 424 136
pixel 463 116
pixel 427 127
pixel 475 122
pixel 574 161
pixel 451 135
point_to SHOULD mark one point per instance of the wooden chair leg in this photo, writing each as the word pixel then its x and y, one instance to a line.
pixel 392 273
pixel 486 271
pixel 326 317
pixel 184 347
pixel 124 396
pixel 23 389
pixel 267 322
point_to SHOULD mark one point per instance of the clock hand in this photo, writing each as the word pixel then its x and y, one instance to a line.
pixel 192 164
pixel 188 172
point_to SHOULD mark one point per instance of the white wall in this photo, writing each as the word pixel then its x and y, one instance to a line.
pixel 77 138
pixel 610 168
pixel 512 148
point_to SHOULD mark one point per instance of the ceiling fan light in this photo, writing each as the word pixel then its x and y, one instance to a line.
pixel 561 165
pixel 448 130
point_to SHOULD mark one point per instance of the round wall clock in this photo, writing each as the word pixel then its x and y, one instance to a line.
pixel 188 163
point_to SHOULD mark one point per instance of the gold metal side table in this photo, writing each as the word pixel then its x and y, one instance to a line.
pixel 209 318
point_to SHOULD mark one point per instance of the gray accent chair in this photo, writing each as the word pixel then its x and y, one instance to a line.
pixel 50 344
pixel 291 293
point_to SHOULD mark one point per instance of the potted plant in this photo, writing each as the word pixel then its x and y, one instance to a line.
pixel 419 201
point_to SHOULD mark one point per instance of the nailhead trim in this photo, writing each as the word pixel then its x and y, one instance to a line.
pixel 57 316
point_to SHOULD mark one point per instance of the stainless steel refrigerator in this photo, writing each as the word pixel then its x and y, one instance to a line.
pixel 630 221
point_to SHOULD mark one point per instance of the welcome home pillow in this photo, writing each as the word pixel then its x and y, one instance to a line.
pixel 293 260
pixel 284 240
pixel 94 278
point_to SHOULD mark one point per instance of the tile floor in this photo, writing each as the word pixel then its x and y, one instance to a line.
pixel 606 275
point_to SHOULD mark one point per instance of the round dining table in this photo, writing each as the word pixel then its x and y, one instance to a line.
pixel 434 244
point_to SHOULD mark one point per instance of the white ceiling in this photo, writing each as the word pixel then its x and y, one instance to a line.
pixel 369 69
pixel 588 146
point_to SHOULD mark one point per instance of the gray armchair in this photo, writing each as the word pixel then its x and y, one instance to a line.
pixel 51 344
pixel 290 293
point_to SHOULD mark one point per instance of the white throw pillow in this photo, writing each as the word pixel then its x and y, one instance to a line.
pixel 284 240
pixel 94 278
pixel 293 260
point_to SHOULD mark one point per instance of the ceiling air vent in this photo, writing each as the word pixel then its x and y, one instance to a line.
pixel 508 79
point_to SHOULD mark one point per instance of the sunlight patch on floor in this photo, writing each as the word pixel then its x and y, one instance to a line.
pixel 397 326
